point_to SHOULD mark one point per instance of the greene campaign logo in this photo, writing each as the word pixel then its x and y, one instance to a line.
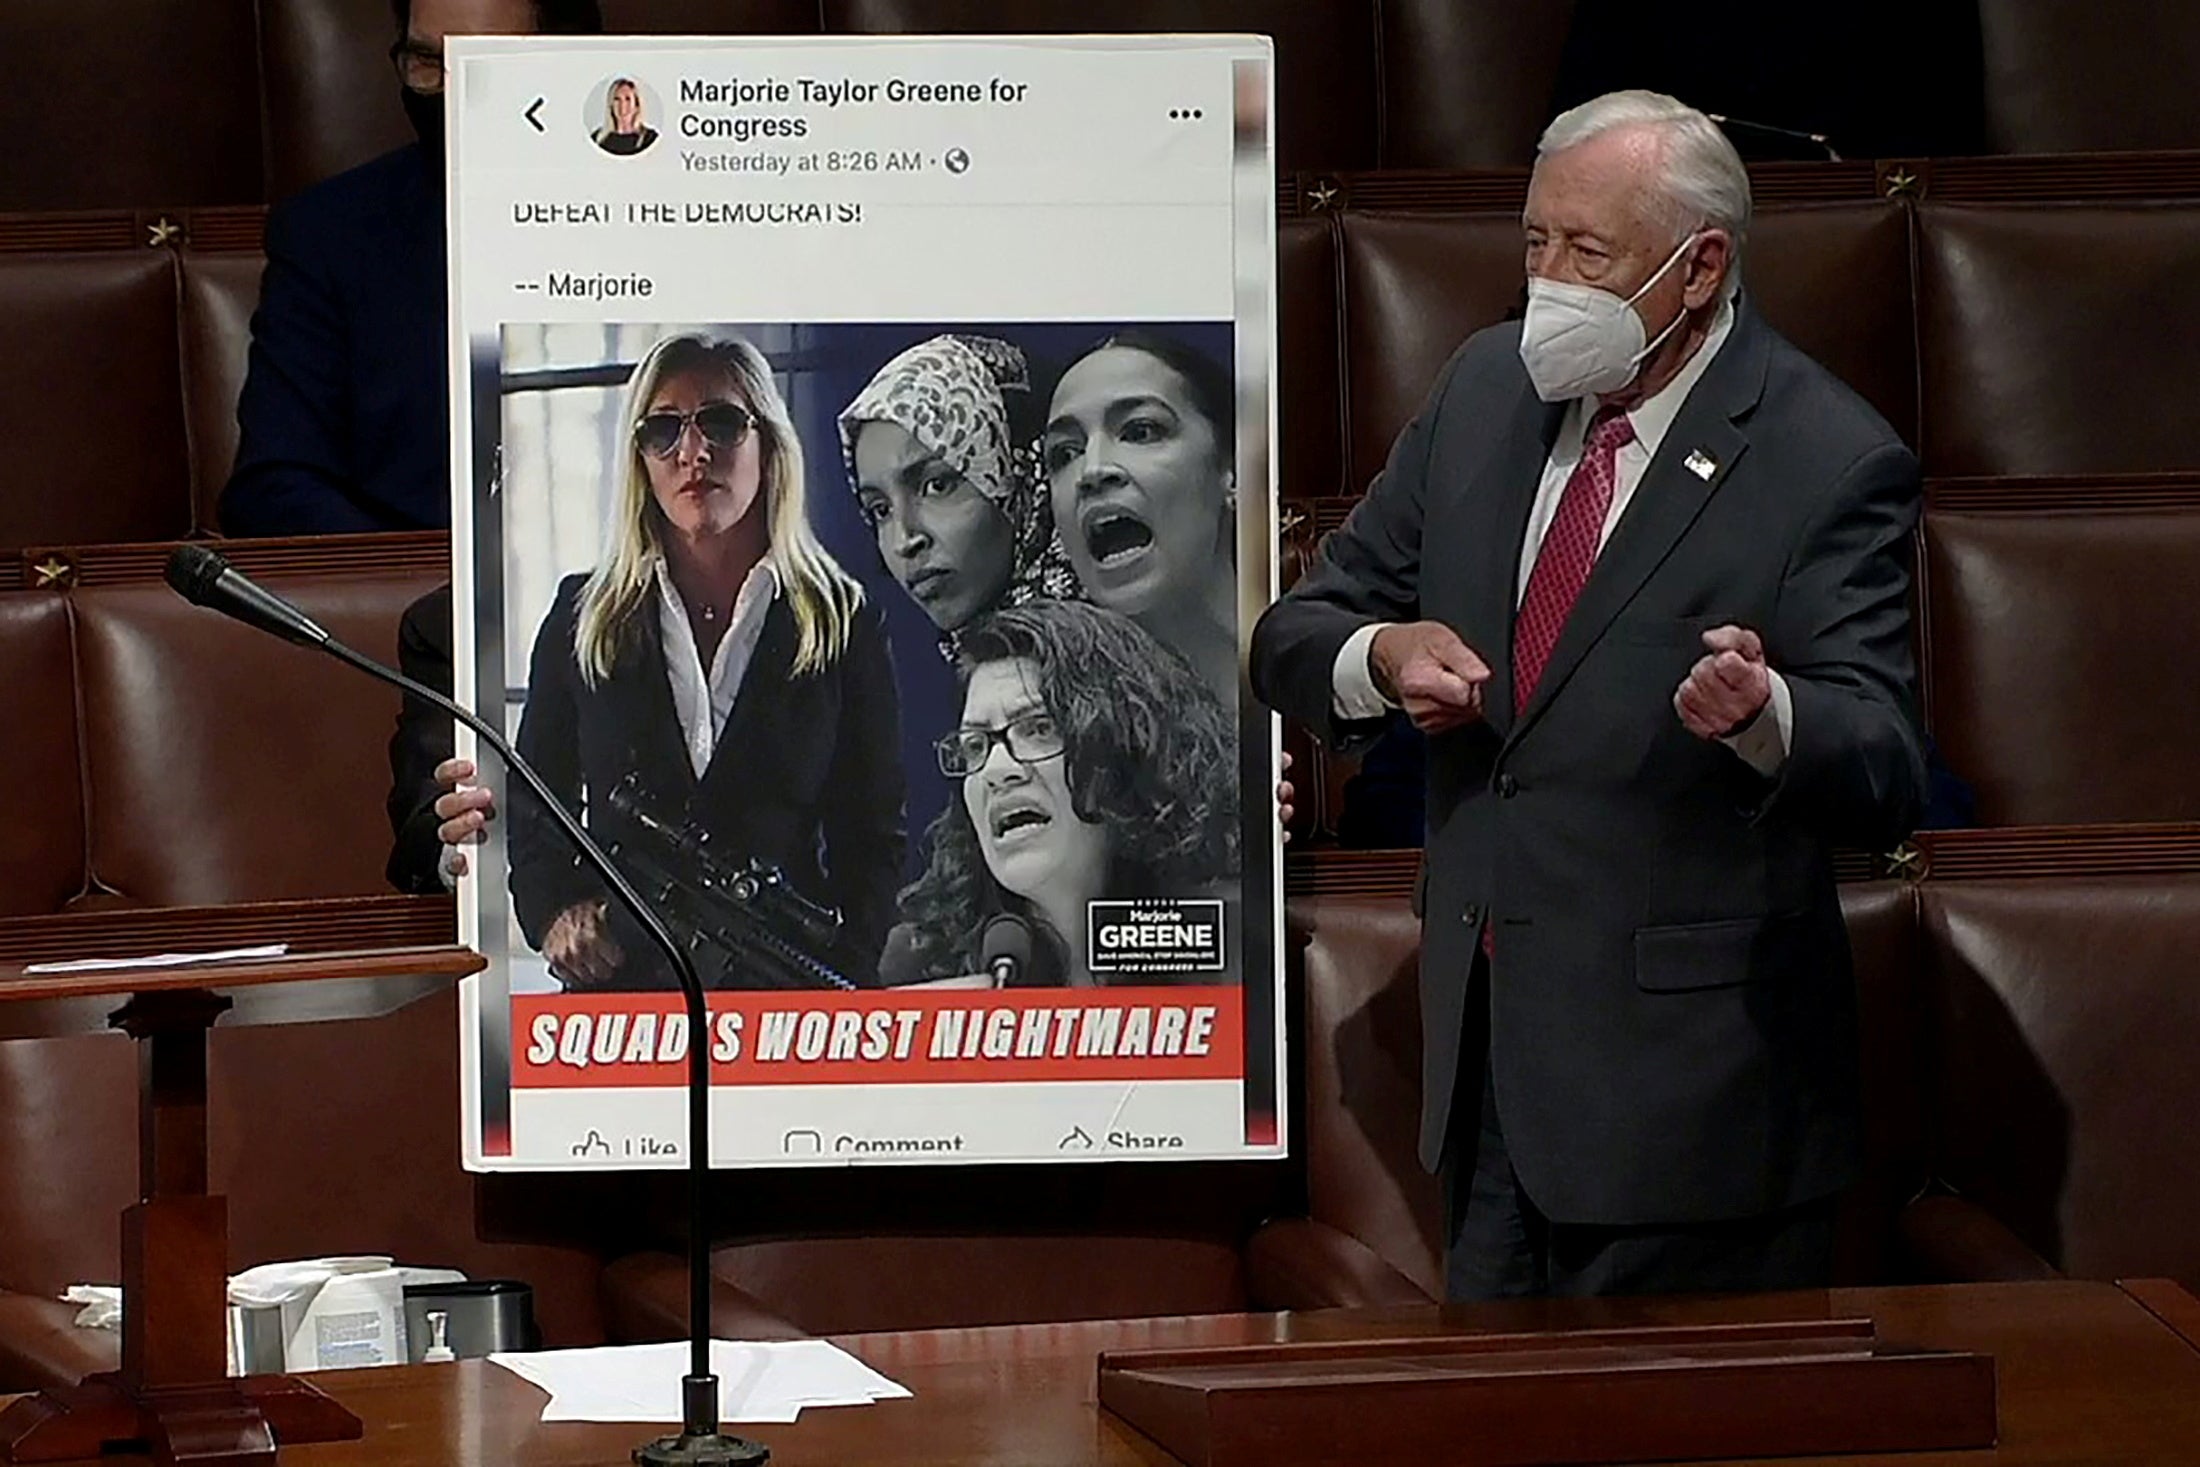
pixel 1154 937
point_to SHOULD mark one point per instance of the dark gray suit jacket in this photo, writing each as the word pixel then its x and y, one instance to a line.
pixel 1672 1014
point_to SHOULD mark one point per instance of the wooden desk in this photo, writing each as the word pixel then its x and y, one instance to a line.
pixel 2088 1372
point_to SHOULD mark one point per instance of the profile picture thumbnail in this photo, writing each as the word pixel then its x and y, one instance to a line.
pixel 619 113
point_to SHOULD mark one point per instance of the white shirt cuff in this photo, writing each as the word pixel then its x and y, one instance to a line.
pixel 446 866
pixel 1353 694
pixel 1764 745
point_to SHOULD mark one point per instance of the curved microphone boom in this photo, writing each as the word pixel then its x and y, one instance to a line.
pixel 204 578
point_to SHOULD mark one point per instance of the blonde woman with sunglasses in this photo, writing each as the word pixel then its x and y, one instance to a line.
pixel 720 665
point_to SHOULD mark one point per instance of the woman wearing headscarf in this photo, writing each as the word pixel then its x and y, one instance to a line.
pixel 948 484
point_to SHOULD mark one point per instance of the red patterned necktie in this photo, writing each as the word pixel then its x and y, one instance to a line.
pixel 1569 550
pixel 1562 566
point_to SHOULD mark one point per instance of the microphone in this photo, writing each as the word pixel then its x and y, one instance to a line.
pixel 1817 139
pixel 1005 949
pixel 202 577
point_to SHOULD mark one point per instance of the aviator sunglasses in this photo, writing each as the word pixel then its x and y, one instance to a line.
pixel 722 424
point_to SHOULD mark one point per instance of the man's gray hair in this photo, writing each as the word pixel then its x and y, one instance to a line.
pixel 1704 183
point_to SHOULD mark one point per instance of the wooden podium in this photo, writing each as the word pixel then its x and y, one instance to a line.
pixel 173 1393
pixel 1683 1393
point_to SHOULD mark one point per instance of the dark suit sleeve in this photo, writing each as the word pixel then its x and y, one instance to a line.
pixel 293 416
pixel 547 875
pixel 422 741
pixel 1840 636
pixel 865 820
pixel 1366 570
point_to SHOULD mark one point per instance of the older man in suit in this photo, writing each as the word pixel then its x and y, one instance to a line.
pixel 1639 568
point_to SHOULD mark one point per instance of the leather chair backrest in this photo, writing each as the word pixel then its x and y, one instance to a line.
pixel 129 102
pixel 1884 945
pixel 1468 83
pixel 227 766
pixel 219 293
pixel 1362 1056
pixel 1325 53
pixel 2057 338
pixel 1310 410
pixel 2088 76
pixel 41 777
pixel 2059 650
pixel 1833 278
pixel 89 399
pixel 837 1285
pixel 1360 1049
pixel 2066 1020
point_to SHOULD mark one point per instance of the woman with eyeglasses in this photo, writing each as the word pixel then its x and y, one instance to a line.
pixel 948 484
pixel 1140 454
pixel 717 672
pixel 624 132
pixel 1093 764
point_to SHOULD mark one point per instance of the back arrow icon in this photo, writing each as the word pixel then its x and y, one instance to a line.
pixel 529 114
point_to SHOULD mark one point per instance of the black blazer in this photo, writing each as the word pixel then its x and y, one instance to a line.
pixel 1672 1020
pixel 808 773
pixel 344 419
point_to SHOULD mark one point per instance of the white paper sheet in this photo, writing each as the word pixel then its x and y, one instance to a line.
pixel 160 960
pixel 758 1381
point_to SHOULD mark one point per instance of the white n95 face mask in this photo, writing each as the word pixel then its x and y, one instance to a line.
pixel 1578 340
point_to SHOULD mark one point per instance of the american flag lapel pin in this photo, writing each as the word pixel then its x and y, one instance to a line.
pixel 1701 464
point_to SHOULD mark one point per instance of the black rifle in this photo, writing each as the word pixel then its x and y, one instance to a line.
pixel 740 921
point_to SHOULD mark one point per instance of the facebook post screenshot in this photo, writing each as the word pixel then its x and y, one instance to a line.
pixel 862 493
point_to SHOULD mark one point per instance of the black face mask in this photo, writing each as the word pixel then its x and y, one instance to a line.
pixel 425 111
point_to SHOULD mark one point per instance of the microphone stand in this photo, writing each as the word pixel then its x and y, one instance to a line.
pixel 700 1443
pixel 202 577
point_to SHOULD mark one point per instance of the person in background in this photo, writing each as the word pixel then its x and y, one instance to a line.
pixel 344 420
pixel 1093 764
pixel 948 485
pixel 1140 455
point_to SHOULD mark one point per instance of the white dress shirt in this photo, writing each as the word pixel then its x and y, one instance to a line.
pixel 1765 743
pixel 702 699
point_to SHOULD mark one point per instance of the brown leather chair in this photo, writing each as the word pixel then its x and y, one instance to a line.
pixel 90 397
pixel 1834 278
pixel 1884 945
pixel 2078 76
pixel 219 293
pixel 1326 82
pixel 1361 1054
pixel 2065 1018
pixel 1468 83
pixel 41 779
pixel 2057 644
pixel 1373 1229
pixel 227 766
pixel 1309 397
pixel 130 102
pixel 2055 338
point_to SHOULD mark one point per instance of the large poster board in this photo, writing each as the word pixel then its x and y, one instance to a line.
pixel 862 492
